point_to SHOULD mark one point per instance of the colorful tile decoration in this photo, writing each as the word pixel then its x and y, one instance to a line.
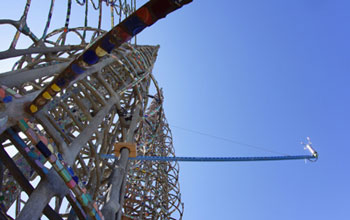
pixel 90 57
pixel 2 93
pixel 8 194
pixel 7 94
pixel 58 163
pixel 36 157
pixel 136 22
pixel 10 191
pixel 134 25
pixel 40 151
pixel 7 99
pixel 145 16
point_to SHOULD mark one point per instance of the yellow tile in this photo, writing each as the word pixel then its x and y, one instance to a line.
pixel 47 96
pixel 33 108
pixel 55 87
pixel 100 52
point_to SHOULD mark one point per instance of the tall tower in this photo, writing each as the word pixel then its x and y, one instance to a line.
pixel 57 162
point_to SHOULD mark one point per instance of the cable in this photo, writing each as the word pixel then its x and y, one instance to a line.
pixel 230 140
pixel 214 159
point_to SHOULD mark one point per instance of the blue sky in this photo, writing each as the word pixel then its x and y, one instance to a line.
pixel 266 73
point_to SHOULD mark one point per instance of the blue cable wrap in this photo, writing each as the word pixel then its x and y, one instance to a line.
pixel 214 159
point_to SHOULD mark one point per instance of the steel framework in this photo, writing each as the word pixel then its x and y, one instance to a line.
pixel 53 135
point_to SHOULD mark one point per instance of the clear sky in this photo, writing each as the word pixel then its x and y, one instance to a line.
pixel 266 73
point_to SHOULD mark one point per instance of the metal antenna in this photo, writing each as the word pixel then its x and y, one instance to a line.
pixel 308 146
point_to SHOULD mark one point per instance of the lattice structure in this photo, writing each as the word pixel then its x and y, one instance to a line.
pixel 55 168
pixel 152 187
